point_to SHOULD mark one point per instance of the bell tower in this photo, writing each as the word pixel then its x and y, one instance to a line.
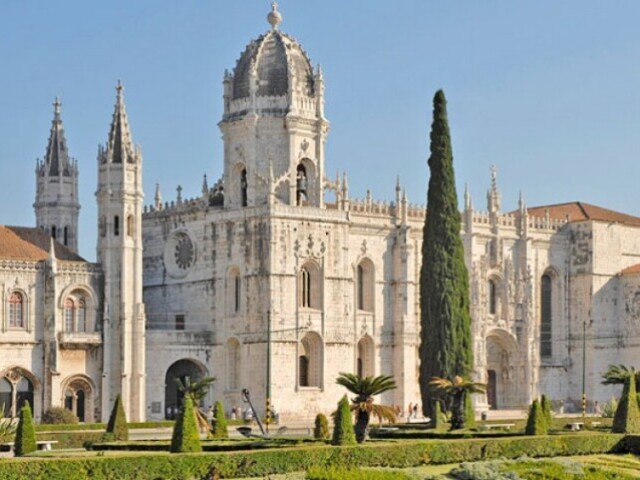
pixel 120 205
pixel 273 126
pixel 56 206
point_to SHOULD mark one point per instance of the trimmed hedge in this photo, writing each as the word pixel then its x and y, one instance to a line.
pixel 117 427
pixel 69 427
pixel 283 460
pixel 25 441
pixel 207 446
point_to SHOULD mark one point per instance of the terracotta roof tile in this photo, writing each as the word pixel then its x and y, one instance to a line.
pixel 632 270
pixel 577 211
pixel 24 243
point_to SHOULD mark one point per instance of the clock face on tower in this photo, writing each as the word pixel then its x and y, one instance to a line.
pixel 179 254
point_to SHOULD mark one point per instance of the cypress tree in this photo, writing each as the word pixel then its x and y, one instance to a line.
pixel 536 423
pixel 117 427
pixel 627 417
pixel 469 412
pixel 446 347
pixel 343 432
pixel 321 427
pixel 219 427
pixel 545 403
pixel 185 437
pixel 437 420
pixel 25 441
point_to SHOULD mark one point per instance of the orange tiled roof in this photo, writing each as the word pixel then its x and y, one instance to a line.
pixel 24 243
pixel 632 270
pixel 577 211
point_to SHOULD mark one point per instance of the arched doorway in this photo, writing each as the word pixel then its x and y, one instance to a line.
pixel 505 372
pixel 78 398
pixel 17 387
pixel 180 370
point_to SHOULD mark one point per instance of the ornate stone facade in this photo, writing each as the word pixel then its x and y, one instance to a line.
pixel 276 280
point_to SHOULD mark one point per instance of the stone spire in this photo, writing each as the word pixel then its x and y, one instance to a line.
pixel 120 146
pixel 158 198
pixel 56 159
pixel 494 197
pixel 56 206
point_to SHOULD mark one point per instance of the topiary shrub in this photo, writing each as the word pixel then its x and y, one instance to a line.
pixel 59 416
pixel 117 427
pixel 627 417
pixel 438 420
pixel 343 432
pixel 536 423
pixel 25 441
pixel 545 403
pixel 469 412
pixel 321 427
pixel 219 424
pixel 185 437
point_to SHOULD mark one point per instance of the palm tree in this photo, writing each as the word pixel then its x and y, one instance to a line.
pixel 457 389
pixel 617 374
pixel 365 388
pixel 197 391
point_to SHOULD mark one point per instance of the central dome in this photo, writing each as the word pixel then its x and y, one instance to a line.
pixel 280 65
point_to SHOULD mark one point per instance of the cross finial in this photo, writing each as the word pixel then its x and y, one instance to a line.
pixel 119 89
pixel 274 18
pixel 56 106
pixel 179 190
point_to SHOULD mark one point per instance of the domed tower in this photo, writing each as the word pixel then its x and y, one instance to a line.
pixel 273 125
pixel 57 206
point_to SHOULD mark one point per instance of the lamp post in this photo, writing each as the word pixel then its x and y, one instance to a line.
pixel 267 419
pixel 584 368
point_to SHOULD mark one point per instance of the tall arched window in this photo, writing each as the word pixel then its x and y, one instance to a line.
pixel 236 296
pixel 53 231
pixel 546 315
pixel 301 184
pixel 234 291
pixel 243 187
pixel 305 276
pixel 81 323
pixel 364 285
pixel 66 236
pixel 310 286
pixel 116 225
pixel 492 297
pixel 69 313
pixel 16 310
pixel 130 226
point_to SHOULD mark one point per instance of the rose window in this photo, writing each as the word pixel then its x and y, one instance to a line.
pixel 183 253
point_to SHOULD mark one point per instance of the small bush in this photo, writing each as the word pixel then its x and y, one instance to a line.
pixel 536 422
pixel 59 416
pixel 321 427
pixel 219 427
pixel 185 437
pixel 337 473
pixel 117 426
pixel 25 441
pixel 627 418
pixel 343 432
pixel 609 409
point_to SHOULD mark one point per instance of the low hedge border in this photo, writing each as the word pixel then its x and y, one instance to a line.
pixel 432 434
pixel 207 445
pixel 99 426
pixel 259 463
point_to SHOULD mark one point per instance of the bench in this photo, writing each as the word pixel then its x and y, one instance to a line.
pixel 502 426
pixel 44 445
pixel 575 426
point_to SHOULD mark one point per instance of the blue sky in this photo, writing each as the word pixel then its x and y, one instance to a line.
pixel 547 91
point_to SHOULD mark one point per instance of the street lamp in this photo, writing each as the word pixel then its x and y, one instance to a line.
pixel 584 368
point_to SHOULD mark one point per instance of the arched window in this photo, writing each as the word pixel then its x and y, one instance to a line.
pixel 301 185
pixel 364 286
pixel 306 287
pixel 546 312
pixel 243 187
pixel 53 232
pixel 364 364
pixel 69 313
pixel 66 236
pixel 116 225
pixel 234 291
pixel 130 226
pixel 233 364
pixel 310 361
pixel 15 390
pixel 492 297
pixel 81 319
pixel 16 310
pixel 24 393
pixel 5 397
pixel 310 286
